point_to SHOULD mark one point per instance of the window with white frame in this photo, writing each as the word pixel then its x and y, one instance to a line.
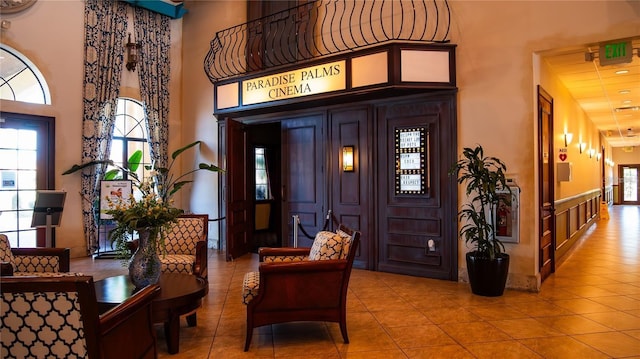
pixel 20 79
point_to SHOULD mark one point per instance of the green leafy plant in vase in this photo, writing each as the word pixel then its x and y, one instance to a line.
pixel 146 212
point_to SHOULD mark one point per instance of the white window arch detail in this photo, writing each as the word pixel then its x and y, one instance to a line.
pixel 20 79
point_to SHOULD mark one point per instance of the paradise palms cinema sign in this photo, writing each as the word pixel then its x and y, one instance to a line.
pixel 301 82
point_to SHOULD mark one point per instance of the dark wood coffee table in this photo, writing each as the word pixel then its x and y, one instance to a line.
pixel 179 294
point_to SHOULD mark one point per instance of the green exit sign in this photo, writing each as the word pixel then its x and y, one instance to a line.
pixel 615 52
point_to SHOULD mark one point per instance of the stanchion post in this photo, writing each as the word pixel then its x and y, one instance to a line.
pixel 296 223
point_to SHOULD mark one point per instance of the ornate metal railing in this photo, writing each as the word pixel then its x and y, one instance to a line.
pixel 321 28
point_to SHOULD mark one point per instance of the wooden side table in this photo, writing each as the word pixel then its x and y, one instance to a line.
pixel 179 294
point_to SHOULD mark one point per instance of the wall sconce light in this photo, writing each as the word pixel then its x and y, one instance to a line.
pixel 132 54
pixel 347 158
pixel 591 152
pixel 598 156
pixel 567 138
pixel 583 146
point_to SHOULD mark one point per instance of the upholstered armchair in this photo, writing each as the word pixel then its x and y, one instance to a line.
pixel 30 261
pixel 58 318
pixel 185 246
pixel 302 284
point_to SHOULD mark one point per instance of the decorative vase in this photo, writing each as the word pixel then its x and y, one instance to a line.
pixel 145 266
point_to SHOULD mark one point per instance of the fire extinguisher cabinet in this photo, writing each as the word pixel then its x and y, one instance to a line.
pixel 507 216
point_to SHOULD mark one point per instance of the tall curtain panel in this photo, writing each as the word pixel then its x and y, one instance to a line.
pixel 154 34
pixel 105 28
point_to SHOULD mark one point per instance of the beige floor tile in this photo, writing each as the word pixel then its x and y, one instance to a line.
pixel 450 315
pixel 474 332
pixel 562 348
pixel 439 352
pixel 503 350
pixel 540 308
pixel 395 318
pixel 386 303
pixel 633 333
pixel 382 354
pixel 615 320
pixel 525 328
pixel 302 338
pixel 614 344
pixel 582 306
pixel 419 336
pixel 364 340
pixel 494 312
pixel 589 291
pixel 548 292
pixel 573 324
pixel 619 302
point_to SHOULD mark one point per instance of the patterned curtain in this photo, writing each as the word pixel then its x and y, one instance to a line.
pixel 154 34
pixel 105 28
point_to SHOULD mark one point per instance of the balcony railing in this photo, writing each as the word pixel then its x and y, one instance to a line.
pixel 321 28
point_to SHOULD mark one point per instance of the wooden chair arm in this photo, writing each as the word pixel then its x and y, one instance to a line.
pixel 63 254
pixel 201 269
pixel 127 330
pixel 286 251
pixel 331 265
pixel 115 316
pixel 6 269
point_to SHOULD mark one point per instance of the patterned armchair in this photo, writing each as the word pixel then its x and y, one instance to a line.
pixel 32 261
pixel 302 284
pixel 186 246
pixel 58 318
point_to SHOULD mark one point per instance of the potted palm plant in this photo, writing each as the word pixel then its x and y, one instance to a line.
pixel 484 177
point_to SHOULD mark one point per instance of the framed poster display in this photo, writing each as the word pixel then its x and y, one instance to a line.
pixel 412 170
pixel 115 190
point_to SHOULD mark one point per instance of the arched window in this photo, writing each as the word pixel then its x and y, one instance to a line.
pixel 130 134
pixel 20 79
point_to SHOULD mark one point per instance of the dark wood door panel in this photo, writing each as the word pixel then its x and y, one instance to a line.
pixel 351 199
pixel 408 222
pixel 546 225
pixel 239 227
pixel 303 176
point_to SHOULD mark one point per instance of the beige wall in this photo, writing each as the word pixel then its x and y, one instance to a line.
pixel 569 117
pixel 51 35
pixel 497 74
pixel 201 23
pixel 497 79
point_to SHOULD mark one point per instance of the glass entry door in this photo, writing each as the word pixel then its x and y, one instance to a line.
pixel 26 165
pixel 630 185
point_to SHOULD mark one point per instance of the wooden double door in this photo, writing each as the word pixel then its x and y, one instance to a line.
pixel 408 232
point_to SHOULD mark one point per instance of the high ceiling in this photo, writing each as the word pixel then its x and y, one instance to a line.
pixel 601 92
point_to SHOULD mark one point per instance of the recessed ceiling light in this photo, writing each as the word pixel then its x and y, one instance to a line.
pixel 624 92
pixel 622 72
pixel 626 101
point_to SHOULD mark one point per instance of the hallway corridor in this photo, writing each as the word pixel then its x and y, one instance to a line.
pixel 590 308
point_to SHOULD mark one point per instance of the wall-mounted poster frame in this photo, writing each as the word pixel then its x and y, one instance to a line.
pixel 411 153
pixel 114 190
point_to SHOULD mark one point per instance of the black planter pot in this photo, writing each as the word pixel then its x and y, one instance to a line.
pixel 487 277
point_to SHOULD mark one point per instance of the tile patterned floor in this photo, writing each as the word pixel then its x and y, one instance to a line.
pixel 590 308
